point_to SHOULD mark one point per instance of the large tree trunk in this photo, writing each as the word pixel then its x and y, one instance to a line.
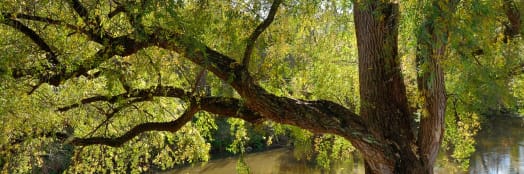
pixel 382 132
pixel 382 90
pixel 432 44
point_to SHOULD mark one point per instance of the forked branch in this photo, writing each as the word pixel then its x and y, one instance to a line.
pixel 260 28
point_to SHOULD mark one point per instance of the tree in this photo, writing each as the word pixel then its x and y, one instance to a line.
pixel 118 38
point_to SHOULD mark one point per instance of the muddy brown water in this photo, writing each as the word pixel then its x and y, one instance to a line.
pixel 499 150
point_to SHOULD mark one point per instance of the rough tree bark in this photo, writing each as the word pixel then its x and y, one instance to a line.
pixel 382 90
pixel 382 131
pixel 432 43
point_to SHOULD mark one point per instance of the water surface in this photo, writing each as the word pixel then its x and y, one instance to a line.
pixel 499 150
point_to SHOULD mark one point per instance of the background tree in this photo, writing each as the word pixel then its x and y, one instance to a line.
pixel 150 76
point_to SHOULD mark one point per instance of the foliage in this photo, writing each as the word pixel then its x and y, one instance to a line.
pixel 309 52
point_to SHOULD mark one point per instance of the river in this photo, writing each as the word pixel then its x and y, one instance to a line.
pixel 499 150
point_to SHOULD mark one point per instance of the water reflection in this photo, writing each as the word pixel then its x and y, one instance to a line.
pixel 499 150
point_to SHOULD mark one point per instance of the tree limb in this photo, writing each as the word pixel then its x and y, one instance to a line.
pixel 260 28
pixel 111 114
pixel 225 106
pixel 257 103
pixel 144 94
pixel 171 126
pixel 95 29
pixel 228 107
pixel 51 56
pixel 115 12
pixel 317 116
pixel 45 20
pixel 113 48
pixel 80 10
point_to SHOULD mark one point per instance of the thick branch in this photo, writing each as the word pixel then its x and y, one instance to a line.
pixel 51 56
pixel 316 116
pixel 229 107
pixel 80 9
pixel 260 28
pixel 115 12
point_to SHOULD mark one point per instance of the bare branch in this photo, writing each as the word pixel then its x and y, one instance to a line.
pixel 260 28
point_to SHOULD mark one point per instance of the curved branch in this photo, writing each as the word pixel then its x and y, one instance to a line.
pixel 260 28
pixel 225 106
pixel 256 104
pixel 113 48
pixel 144 94
pixel 171 126
pixel 228 107
pixel 51 56
pixel 317 116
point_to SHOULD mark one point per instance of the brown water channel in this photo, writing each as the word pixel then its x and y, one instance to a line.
pixel 499 150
